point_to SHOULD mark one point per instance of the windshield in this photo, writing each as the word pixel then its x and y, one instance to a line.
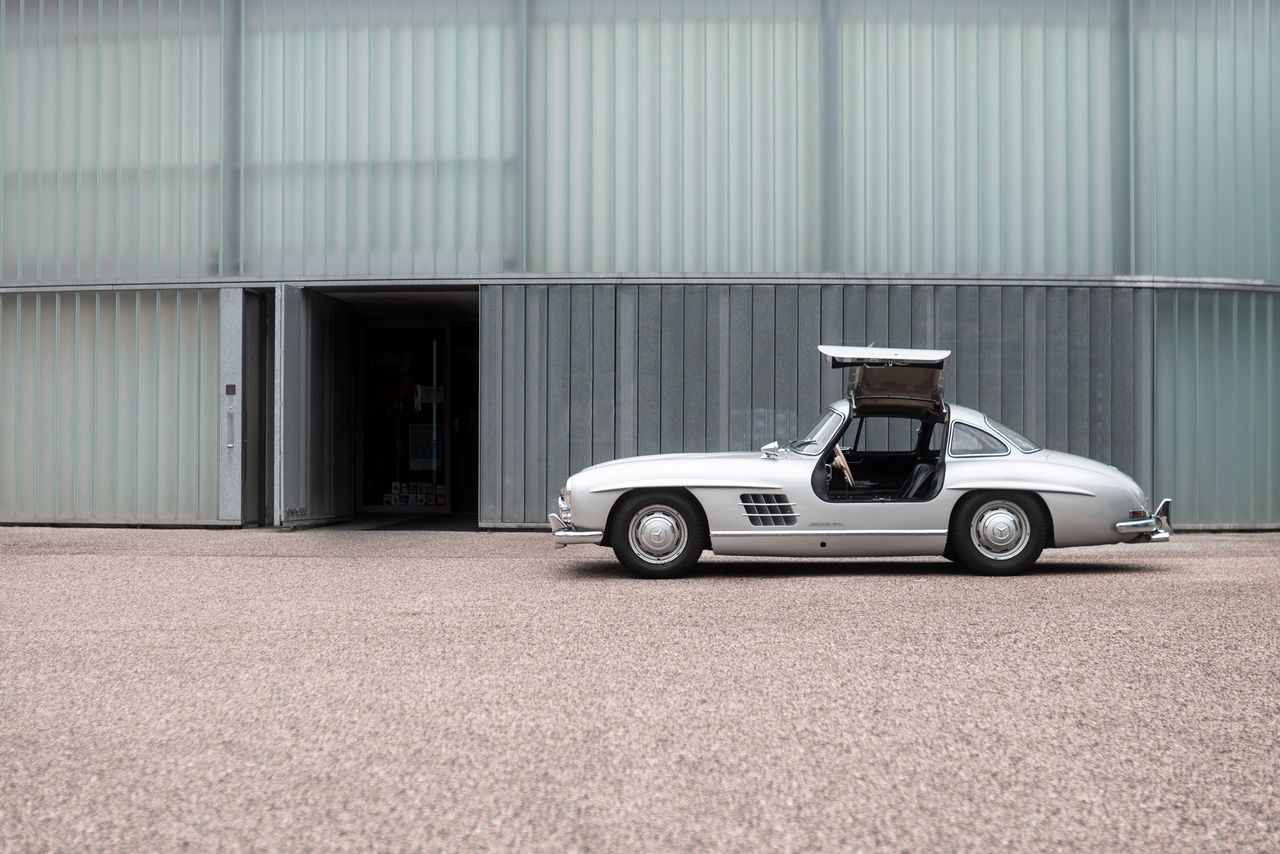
pixel 815 441
pixel 1022 443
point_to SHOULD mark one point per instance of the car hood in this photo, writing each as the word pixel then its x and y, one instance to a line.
pixel 666 458
pixel 745 470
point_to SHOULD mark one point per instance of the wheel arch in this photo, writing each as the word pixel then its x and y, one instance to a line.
pixel 1028 493
pixel 621 498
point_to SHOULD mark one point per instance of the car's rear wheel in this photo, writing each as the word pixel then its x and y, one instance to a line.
pixel 657 534
pixel 998 534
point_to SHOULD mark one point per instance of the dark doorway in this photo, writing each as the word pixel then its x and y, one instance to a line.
pixel 416 408
pixel 404 420
pixel 463 447
pixel 257 422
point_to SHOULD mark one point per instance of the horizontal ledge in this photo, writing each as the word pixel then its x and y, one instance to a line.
pixel 476 280
pixel 1224 527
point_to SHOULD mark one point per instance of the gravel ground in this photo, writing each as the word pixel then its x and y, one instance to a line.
pixel 346 689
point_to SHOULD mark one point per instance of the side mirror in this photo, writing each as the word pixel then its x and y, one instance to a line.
pixel 770 450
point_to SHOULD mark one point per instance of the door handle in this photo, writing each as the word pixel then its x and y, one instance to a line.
pixel 231 429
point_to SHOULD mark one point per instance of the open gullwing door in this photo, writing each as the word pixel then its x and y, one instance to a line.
pixel 880 376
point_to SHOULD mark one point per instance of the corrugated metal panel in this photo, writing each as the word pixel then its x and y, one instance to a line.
pixel 109 406
pixel 1079 379
pixel 494 377
pixel 1217 449
pixel 191 139
pixel 314 423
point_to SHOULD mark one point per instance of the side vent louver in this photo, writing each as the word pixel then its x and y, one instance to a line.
pixel 768 511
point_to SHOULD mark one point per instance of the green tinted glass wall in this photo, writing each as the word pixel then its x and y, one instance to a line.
pixel 188 139
pixel 109 140
pixel 1217 405
pixel 109 406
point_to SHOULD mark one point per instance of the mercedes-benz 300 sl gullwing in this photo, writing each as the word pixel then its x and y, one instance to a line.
pixel 890 469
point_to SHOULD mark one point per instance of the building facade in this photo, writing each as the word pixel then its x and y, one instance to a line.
pixel 285 262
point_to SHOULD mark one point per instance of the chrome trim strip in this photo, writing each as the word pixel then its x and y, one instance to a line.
pixel 1028 486
pixel 689 483
pixel 832 532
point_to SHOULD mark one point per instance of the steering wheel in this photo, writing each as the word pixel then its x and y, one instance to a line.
pixel 843 465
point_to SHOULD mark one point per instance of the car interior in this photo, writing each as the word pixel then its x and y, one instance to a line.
pixel 884 456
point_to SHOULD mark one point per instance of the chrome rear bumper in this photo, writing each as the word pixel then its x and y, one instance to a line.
pixel 565 535
pixel 1155 528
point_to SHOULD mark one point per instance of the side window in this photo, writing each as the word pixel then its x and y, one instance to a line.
pixel 937 437
pixel 881 434
pixel 968 441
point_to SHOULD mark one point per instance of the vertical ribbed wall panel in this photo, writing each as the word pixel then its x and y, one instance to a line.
pixel 110 140
pixel 668 136
pixel 189 139
pixel 1218 393
pixel 108 406
pixel 645 368
pixel 1206 81
pixel 315 431
pixel 378 138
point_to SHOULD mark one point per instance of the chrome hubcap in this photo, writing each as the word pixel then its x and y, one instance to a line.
pixel 657 534
pixel 1000 530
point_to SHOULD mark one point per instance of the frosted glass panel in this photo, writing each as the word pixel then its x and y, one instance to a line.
pixel 978 138
pixel 213 139
pixel 110 140
pixel 378 138
pixel 108 406
pixel 1218 393
pixel 1207 82
pixel 674 136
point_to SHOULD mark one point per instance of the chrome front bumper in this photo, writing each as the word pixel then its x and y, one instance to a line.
pixel 565 535
pixel 1155 528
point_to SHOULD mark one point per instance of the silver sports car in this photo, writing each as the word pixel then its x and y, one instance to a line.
pixel 890 469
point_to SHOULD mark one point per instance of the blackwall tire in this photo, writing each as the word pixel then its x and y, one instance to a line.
pixel 998 533
pixel 657 534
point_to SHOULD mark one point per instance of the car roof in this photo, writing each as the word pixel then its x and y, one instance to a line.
pixel 965 413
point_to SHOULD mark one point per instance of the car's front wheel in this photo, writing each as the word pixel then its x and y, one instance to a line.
pixel 995 534
pixel 657 535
